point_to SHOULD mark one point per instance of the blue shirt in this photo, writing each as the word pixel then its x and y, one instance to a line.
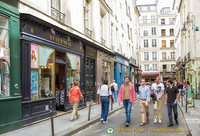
pixel 144 92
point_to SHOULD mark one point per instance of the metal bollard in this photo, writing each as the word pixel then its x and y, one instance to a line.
pixel 51 115
pixel 186 102
pixel 89 111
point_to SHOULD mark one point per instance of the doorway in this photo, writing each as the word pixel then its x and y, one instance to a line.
pixel 60 81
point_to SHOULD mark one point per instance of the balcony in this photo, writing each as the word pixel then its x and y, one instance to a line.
pixel 103 41
pixel 56 14
pixel 88 32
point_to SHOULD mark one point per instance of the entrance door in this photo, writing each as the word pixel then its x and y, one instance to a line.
pixel 60 81
pixel 90 76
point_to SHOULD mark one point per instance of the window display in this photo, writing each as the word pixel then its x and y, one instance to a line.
pixel 4 57
pixel 42 72
pixel 73 69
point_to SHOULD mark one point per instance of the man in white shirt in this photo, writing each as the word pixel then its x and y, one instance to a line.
pixel 114 92
pixel 103 93
pixel 158 90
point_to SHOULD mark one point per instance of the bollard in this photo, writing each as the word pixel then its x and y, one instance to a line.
pixel 186 102
pixel 111 105
pixel 89 111
pixel 51 115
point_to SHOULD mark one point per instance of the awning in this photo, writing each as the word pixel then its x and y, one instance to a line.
pixel 151 74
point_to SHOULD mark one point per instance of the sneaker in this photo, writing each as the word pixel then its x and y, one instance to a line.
pixel 127 124
pixel 102 119
pixel 155 120
pixel 142 124
pixel 159 121
pixel 105 122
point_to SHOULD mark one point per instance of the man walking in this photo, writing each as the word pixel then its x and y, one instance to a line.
pixel 127 96
pixel 103 93
pixel 158 90
pixel 171 102
pixel 144 92
pixel 114 89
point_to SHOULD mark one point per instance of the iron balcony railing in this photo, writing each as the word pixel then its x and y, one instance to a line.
pixel 56 14
pixel 88 32
pixel 103 41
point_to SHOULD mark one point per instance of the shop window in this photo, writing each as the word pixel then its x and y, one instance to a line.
pixel 73 69
pixel 42 72
pixel 106 66
pixel 4 57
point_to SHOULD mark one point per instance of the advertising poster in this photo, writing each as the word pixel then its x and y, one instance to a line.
pixel 34 56
pixel 46 84
pixel 34 83
pixel 78 64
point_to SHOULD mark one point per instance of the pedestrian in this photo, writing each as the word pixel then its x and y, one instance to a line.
pixel 158 90
pixel 127 96
pixel 74 99
pixel 103 94
pixel 144 92
pixel 114 89
pixel 171 102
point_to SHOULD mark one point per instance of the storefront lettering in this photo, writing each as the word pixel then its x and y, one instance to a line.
pixel 59 40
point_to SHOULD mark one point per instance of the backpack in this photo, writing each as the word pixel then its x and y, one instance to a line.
pixel 112 88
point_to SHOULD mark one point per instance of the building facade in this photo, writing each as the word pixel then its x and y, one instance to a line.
pixel 10 83
pixel 79 45
pixel 166 29
pixel 149 45
pixel 187 65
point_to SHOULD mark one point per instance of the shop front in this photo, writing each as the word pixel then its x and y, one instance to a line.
pixel 90 74
pixel 150 76
pixel 121 69
pixel 10 88
pixel 105 67
pixel 134 73
pixel 51 60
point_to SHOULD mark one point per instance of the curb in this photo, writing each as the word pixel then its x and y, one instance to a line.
pixel 90 123
pixel 189 134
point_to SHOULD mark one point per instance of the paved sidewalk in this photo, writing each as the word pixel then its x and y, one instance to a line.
pixel 62 124
pixel 192 117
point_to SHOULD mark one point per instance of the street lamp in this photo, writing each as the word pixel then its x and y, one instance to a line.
pixel 183 30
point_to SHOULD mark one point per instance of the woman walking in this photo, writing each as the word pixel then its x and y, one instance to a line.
pixel 74 99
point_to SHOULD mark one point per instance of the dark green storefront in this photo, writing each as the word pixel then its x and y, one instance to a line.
pixel 10 85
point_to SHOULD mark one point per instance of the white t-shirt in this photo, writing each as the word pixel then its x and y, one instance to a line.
pixel 115 86
pixel 158 89
pixel 104 91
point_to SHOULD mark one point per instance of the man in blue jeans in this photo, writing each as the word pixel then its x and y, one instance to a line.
pixel 127 96
pixel 171 102
pixel 103 93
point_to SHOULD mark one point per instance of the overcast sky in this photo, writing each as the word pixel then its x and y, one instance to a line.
pixel 161 3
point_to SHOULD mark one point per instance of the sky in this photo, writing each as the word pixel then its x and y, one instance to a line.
pixel 161 3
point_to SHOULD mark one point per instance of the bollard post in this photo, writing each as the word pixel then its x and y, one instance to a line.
pixel 89 111
pixel 111 105
pixel 186 102
pixel 51 115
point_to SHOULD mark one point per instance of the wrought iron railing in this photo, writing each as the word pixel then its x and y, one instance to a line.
pixel 56 14
pixel 88 32
pixel 103 41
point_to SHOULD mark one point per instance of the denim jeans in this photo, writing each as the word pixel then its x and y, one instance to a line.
pixel 104 107
pixel 114 94
pixel 127 106
pixel 171 106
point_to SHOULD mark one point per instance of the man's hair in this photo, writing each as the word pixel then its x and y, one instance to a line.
pixel 157 77
pixel 170 81
pixel 127 77
pixel 105 82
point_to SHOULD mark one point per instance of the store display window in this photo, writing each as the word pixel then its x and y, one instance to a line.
pixel 42 72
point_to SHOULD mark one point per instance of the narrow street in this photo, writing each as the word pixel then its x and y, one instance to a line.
pixel 116 121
